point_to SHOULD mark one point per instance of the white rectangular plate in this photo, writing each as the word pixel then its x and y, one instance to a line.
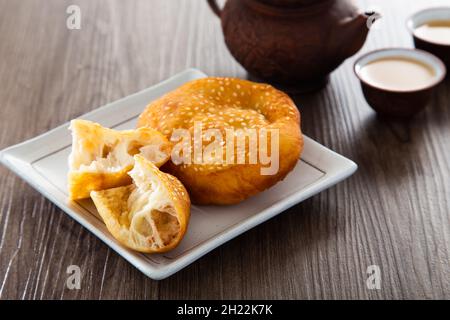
pixel 42 162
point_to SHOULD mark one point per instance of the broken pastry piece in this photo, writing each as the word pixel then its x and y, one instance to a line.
pixel 151 215
pixel 102 157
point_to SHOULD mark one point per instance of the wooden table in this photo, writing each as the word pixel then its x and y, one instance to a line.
pixel 394 212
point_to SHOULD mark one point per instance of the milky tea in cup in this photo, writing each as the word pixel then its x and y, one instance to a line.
pixel 398 73
pixel 436 31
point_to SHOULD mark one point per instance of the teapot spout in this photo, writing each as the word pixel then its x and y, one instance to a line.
pixel 358 28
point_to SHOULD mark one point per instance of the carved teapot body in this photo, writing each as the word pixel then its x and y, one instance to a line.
pixel 292 42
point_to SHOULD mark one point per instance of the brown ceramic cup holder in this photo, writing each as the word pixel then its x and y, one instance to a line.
pixel 399 103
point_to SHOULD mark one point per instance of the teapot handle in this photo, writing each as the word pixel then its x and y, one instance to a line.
pixel 215 7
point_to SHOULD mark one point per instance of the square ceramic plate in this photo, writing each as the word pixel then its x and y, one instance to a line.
pixel 42 162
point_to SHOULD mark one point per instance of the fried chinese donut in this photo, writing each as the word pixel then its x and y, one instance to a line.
pixel 228 104
pixel 151 215
pixel 101 157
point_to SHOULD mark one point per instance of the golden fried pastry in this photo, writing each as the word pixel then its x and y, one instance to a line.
pixel 102 157
pixel 151 215
pixel 231 107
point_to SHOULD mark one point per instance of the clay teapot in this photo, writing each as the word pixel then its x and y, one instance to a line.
pixel 293 43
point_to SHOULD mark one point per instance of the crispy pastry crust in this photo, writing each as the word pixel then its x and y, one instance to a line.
pixel 146 220
pixel 102 157
pixel 223 103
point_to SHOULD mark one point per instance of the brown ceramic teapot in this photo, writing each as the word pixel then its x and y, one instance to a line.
pixel 294 43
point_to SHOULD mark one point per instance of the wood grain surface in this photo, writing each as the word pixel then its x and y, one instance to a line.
pixel 394 212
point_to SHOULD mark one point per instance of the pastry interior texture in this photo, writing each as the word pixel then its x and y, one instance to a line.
pixel 224 104
pixel 101 157
pixel 150 215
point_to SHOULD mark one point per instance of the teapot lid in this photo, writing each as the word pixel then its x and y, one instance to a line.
pixel 290 3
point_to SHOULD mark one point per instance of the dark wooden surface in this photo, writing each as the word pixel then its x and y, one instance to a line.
pixel 394 212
